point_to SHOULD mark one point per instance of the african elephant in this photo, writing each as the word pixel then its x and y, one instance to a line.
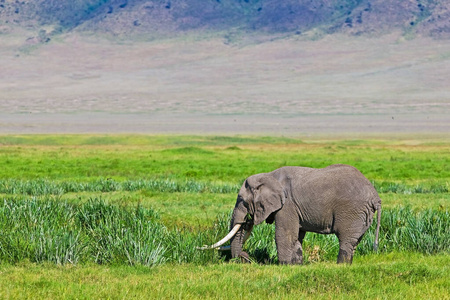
pixel 337 199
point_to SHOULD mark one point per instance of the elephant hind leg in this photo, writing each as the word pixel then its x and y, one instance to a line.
pixel 345 256
pixel 347 248
pixel 349 235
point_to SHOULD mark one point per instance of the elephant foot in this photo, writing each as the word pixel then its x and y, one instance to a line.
pixel 293 261
pixel 244 257
pixel 344 257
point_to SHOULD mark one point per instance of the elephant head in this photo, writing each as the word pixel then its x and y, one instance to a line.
pixel 259 198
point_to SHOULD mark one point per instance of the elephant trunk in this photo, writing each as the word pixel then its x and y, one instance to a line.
pixel 239 225
pixel 237 242
pixel 238 217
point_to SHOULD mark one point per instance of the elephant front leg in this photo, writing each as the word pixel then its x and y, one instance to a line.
pixel 289 246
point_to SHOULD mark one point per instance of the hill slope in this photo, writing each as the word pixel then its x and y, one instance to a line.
pixel 425 17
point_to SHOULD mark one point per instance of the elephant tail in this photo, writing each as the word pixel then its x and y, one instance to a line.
pixel 375 243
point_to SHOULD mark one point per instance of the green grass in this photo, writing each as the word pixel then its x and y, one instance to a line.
pixel 97 232
pixel 41 187
pixel 139 140
pixel 394 276
pixel 102 233
pixel 214 159
pixel 85 216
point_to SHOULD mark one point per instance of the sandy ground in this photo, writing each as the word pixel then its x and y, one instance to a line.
pixel 283 86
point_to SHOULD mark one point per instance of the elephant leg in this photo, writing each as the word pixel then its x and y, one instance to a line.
pixel 349 238
pixel 347 246
pixel 298 249
pixel 289 247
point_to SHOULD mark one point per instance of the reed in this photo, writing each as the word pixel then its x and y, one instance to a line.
pixel 43 187
pixel 44 230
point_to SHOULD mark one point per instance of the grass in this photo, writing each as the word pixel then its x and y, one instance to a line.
pixel 98 232
pixel 394 275
pixel 230 71
pixel 45 187
pixel 120 216
pixel 213 159
pixel 187 141
pixel 62 233
pixel 41 187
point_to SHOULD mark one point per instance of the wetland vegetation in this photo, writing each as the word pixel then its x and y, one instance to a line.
pixel 120 216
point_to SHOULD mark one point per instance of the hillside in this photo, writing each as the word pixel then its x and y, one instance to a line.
pixel 125 17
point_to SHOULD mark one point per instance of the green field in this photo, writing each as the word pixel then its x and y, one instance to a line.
pixel 86 216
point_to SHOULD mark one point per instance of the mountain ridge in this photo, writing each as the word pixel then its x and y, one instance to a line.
pixel 166 17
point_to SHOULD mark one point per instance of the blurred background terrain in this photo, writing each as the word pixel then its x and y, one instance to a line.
pixel 225 66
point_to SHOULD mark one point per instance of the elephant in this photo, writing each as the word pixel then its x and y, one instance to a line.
pixel 337 199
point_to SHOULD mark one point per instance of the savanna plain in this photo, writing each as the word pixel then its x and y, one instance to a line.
pixel 119 216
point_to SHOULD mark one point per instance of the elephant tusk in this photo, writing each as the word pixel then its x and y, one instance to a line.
pixel 246 236
pixel 224 240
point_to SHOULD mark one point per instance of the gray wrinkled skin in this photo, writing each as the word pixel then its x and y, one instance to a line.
pixel 334 200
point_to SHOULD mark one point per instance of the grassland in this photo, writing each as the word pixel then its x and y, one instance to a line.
pixel 394 276
pixel 288 75
pixel 119 217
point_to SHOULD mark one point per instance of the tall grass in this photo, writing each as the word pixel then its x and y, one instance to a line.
pixel 425 231
pixel 402 229
pixel 97 232
pixel 401 188
pixel 55 231
pixel 43 187
pixel 38 231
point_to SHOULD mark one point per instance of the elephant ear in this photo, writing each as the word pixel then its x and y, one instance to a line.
pixel 268 196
